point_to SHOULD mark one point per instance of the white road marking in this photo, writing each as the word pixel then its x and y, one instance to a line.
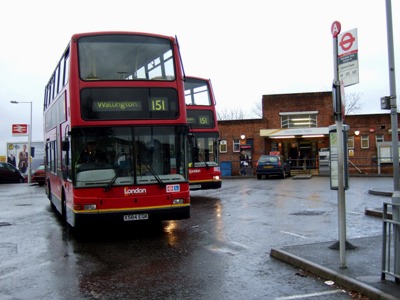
pixel 310 295
pixel 355 213
pixel 294 234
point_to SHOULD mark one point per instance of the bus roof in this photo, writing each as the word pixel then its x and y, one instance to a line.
pixel 78 35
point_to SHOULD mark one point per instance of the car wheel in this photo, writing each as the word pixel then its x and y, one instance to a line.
pixel 259 176
pixel 21 180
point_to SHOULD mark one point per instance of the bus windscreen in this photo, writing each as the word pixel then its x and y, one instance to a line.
pixel 125 57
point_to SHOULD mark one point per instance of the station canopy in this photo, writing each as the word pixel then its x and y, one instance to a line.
pixel 295 132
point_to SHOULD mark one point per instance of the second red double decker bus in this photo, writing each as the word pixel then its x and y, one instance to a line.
pixel 116 130
pixel 204 170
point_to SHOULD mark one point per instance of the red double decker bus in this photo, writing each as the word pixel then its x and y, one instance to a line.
pixel 204 170
pixel 116 130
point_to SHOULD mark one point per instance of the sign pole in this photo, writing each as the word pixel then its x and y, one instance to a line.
pixel 335 29
pixel 30 146
pixel 29 128
pixel 395 139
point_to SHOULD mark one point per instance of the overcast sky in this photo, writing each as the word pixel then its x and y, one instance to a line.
pixel 247 48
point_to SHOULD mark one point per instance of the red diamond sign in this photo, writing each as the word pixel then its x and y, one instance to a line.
pixel 19 129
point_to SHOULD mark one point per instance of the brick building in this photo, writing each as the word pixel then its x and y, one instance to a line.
pixel 297 126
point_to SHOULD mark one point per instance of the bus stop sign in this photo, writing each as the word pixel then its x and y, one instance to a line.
pixel 348 57
pixel 335 28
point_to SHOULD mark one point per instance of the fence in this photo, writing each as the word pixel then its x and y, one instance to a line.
pixel 370 166
pixel 389 228
pixel 357 166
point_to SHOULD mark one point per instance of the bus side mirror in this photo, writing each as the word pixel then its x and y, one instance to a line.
pixel 65 146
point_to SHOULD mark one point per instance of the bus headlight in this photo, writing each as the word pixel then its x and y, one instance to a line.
pixel 177 201
pixel 89 207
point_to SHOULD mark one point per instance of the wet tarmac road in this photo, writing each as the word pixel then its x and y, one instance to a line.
pixel 221 252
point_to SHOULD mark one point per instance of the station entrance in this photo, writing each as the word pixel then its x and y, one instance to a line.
pixel 301 146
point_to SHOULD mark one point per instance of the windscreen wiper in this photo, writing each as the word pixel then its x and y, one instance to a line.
pixel 159 180
pixel 203 161
pixel 192 142
pixel 206 163
pixel 109 185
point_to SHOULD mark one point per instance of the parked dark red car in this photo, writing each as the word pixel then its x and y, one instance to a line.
pixel 39 175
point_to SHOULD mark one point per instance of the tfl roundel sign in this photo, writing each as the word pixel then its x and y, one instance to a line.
pixel 347 42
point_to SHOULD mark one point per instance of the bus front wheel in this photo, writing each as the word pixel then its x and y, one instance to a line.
pixel 64 208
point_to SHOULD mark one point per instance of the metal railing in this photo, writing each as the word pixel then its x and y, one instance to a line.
pixel 389 228
pixel 372 166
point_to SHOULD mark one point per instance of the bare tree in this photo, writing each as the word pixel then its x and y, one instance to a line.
pixel 257 110
pixel 352 103
pixel 232 114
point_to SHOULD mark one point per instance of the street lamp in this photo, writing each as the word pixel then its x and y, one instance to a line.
pixel 29 138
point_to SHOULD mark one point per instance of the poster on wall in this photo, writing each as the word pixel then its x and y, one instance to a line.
pixel 17 155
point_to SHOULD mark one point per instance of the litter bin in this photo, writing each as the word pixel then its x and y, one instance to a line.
pixel 226 168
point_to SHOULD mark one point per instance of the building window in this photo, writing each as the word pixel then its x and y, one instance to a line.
pixel 299 119
pixel 380 138
pixel 236 145
pixel 223 146
pixel 364 142
pixel 350 142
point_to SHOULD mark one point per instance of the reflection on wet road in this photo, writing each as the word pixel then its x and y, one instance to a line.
pixel 221 252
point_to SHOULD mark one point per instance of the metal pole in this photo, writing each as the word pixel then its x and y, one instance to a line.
pixel 340 153
pixel 29 146
pixel 395 137
pixel 29 138
pixel 341 195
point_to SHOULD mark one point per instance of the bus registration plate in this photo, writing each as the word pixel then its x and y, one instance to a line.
pixel 136 217
pixel 195 186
